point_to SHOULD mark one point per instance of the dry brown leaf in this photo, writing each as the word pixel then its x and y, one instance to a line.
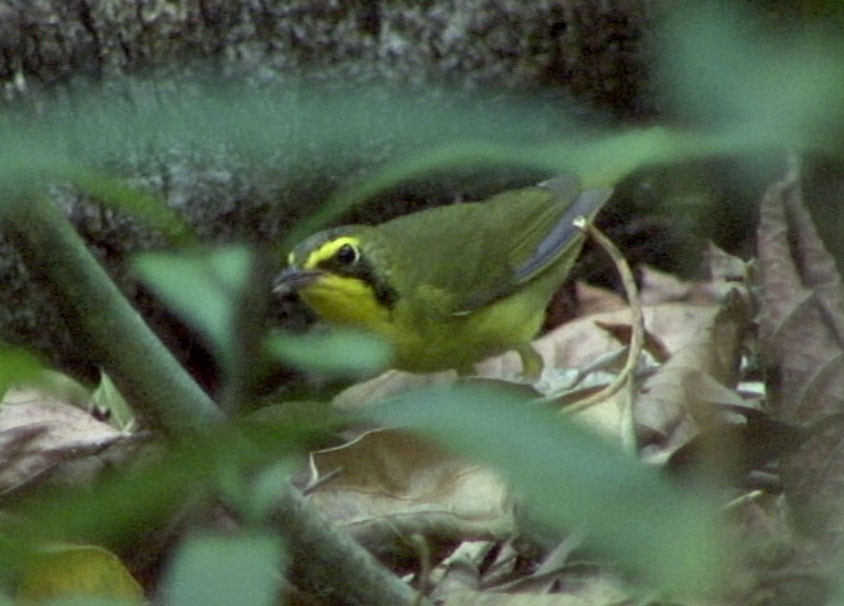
pixel 697 378
pixel 505 567
pixel 389 384
pixel 575 587
pixel 787 566
pixel 623 333
pixel 460 571
pixel 595 300
pixel 725 273
pixel 390 484
pixel 655 287
pixel 39 433
pixel 577 343
pixel 802 347
pixel 660 287
pixel 801 319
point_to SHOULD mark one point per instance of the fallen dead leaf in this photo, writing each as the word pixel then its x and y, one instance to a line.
pixel 660 287
pixel 801 319
pixel 595 300
pixel 685 392
pixel 390 485
pixel 369 393
pixel 579 586
pixel 725 273
pixel 802 348
pixel 577 343
pixel 460 571
pixel 623 334
pixel 39 434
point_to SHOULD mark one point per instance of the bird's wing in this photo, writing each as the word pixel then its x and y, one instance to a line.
pixel 554 232
pixel 483 251
pixel 544 233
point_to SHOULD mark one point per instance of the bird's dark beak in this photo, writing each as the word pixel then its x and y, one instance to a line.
pixel 291 279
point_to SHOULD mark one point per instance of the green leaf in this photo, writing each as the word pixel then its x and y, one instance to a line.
pixel 78 574
pixel 211 570
pixel 339 353
pixel 205 287
pixel 768 86
pixel 255 497
pixel 107 397
pixel 115 193
pixel 573 479
pixel 17 366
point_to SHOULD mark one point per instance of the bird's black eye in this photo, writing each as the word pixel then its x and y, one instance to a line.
pixel 347 254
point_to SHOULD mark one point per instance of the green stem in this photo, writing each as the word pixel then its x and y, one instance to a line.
pixel 329 564
pixel 327 561
pixel 115 335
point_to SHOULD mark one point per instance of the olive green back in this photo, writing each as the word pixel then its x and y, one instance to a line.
pixel 461 257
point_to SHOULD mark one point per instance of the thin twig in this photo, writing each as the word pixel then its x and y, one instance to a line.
pixel 320 481
pixel 637 321
pixel 424 551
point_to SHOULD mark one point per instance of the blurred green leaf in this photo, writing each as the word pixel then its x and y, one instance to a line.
pixel 571 478
pixel 144 495
pixel 255 497
pixel 292 125
pixel 63 387
pixel 739 87
pixel 17 366
pixel 728 70
pixel 116 193
pixel 598 159
pixel 80 574
pixel 91 602
pixel 338 353
pixel 243 568
pixel 205 287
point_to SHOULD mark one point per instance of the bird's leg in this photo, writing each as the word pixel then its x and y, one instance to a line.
pixel 532 362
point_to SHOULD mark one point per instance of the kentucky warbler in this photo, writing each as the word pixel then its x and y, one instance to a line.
pixel 449 286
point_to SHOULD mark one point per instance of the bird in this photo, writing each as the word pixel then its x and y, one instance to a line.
pixel 449 286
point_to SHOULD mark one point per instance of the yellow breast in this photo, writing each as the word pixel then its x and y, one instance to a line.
pixel 423 342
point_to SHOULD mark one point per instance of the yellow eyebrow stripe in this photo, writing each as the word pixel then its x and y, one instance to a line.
pixel 328 250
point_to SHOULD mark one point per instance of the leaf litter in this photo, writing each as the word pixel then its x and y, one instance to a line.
pixel 51 438
pixel 43 436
